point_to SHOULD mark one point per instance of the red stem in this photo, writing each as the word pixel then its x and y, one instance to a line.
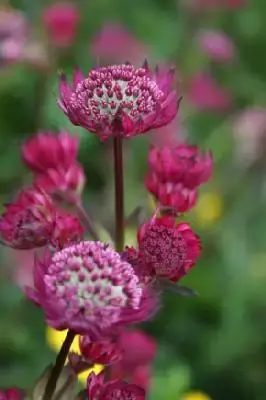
pixel 119 193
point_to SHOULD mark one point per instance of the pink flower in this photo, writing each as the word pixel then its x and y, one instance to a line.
pixel 67 229
pixel 176 171
pixel 47 150
pixel 69 182
pixel 100 390
pixel 249 128
pixel 205 94
pixel 28 221
pixel 88 288
pixel 105 352
pixel 115 44
pixel 217 45
pixel 61 21
pixel 13 35
pixel 119 100
pixel 11 394
pixel 171 248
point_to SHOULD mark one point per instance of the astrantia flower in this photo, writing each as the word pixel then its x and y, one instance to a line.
pixel 217 45
pixel 119 100
pixel 171 248
pixel 48 150
pixel 100 390
pixel 28 221
pixel 88 288
pixel 106 351
pixel 61 21
pixel 175 174
pixel 67 229
pixel 11 394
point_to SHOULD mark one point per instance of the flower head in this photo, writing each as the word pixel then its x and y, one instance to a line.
pixel 206 94
pixel 88 288
pixel 11 394
pixel 217 45
pixel 28 221
pixel 67 229
pixel 119 100
pixel 100 390
pixel 176 171
pixel 106 351
pixel 61 21
pixel 170 248
pixel 47 151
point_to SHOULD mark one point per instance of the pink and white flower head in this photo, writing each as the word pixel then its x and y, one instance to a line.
pixel 61 21
pixel 205 94
pixel 171 248
pixel 47 150
pixel 175 173
pixel 113 43
pixel 28 221
pixel 11 394
pixel 100 390
pixel 67 229
pixel 119 100
pixel 88 288
pixel 106 351
pixel 69 183
pixel 216 45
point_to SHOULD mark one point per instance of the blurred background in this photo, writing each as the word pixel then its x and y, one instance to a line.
pixel 216 343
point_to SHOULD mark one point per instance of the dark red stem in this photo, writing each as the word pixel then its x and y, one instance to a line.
pixel 59 365
pixel 119 193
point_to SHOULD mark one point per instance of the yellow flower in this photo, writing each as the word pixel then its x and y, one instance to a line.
pixel 195 396
pixel 208 209
pixel 55 340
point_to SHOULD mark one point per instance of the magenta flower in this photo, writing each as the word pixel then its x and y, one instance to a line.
pixel 114 44
pixel 217 45
pixel 61 21
pixel 119 100
pixel 205 94
pixel 88 288
pixel 100 390
pixel 67 229
pixel 28 221
pixel 175 173
pixel 70 182
pixel 11 394
pixel 47 150
pixel 106 351
pixel 170 248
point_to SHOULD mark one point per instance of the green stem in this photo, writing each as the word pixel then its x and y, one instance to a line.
pixel 88 223
pixel 59 365
pixel 119 193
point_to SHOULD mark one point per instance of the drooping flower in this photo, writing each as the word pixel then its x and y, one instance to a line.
pixel 206 94
pixel 88 288
pixel 47 151
pixel 176 171
pixel 217 45
pixel 11 394
pixel 61 21
pixel 113 43
pixel 106 351
pixel 28 221
pixel 100 390
pixel 171 248
pixel 119 100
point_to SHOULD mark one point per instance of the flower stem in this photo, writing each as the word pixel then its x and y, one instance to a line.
pixel 59 364
pixel 119 193
pixel 85 217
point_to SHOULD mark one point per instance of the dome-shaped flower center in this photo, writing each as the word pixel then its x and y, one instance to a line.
pixel 89 276
pixel 113 88
pixel 165 248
